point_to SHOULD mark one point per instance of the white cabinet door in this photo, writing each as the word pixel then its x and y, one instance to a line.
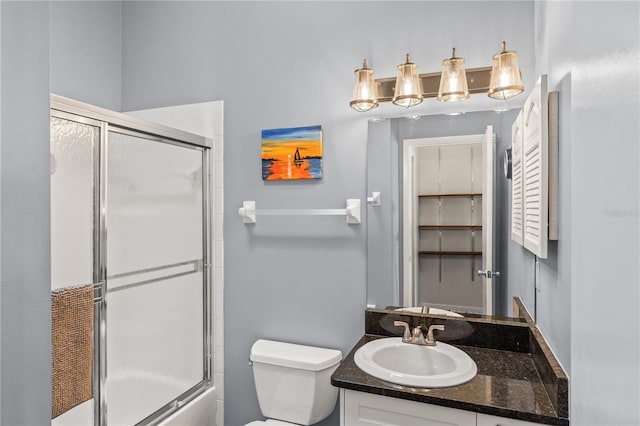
pixel 365 409
pixel 535 169
pixel 487 420
pixel 517 203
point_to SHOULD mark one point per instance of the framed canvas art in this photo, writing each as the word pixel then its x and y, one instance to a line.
pixel 292 153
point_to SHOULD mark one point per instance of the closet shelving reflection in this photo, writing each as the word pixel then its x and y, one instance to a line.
pixel 451 227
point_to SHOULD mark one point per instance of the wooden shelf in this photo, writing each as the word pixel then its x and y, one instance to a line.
pixel 450 227
pixel 449 195
pixel 455 253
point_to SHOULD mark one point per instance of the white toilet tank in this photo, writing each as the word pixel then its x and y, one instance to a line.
pixel 293 382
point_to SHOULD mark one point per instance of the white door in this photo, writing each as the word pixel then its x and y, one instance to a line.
pixel 441 178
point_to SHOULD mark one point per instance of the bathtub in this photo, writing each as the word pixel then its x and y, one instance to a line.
pixel 199 412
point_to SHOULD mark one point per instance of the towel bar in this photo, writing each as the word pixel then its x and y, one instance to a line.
pixel 352 211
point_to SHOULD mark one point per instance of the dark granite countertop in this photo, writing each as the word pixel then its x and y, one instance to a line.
pixel 507 385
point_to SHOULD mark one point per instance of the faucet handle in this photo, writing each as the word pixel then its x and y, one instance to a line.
pixel 407 334
pixel 430 339
pixel 418 336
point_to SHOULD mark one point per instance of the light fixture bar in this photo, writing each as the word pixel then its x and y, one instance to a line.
pixel 478 80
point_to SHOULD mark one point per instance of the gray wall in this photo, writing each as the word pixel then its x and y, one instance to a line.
pixel 594 266
pixel 25 337
pixel 72 49
pixel 290 64
pixel 85 51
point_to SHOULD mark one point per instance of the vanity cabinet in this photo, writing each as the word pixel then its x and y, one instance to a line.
pixel 487 420
pixel 366 409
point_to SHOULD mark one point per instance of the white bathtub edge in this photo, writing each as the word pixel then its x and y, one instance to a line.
pixel 199 412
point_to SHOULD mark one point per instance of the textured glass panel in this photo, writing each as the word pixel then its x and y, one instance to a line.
pixel 72 199
pixel 154 346
pixel 154 204
pixel 154 278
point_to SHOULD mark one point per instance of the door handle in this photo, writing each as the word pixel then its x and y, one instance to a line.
pixel 488 273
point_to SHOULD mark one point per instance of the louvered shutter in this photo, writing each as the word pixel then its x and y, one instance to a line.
pixel 535 169
pixel 517 202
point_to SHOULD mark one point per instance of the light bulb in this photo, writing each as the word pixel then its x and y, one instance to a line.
pixel 364 92
pixel 453 80
pixel 505 75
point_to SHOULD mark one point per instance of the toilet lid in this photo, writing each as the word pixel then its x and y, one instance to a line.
pixel 270 422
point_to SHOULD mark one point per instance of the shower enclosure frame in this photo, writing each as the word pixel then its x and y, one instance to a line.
pixel 107 121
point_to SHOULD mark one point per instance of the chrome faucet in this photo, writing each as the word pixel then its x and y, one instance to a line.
pixel 417 337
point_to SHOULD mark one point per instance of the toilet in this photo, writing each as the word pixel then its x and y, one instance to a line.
pixel 293 382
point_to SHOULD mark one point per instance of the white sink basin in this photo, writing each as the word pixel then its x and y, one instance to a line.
pixel 435 311
pixel 414 365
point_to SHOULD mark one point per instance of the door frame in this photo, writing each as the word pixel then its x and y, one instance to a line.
pixel 409 227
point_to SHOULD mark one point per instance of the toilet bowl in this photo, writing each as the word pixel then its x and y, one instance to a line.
pixel 293 382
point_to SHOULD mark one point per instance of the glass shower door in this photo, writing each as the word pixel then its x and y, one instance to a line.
pixel 155 280
pixel 74 265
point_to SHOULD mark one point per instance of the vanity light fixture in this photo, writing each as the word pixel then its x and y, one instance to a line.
pixel 408 90
pixel 453 82
pixel 506 81
pixel 364 92
pixel 501 81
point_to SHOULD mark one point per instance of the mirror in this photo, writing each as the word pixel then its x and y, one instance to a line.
pixel 386 269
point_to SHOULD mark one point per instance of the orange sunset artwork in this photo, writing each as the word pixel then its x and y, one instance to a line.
pixel 293 153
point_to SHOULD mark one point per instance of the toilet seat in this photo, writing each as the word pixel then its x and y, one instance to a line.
pixel 270 422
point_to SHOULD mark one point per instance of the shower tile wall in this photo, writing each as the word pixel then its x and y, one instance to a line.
pixel 218 328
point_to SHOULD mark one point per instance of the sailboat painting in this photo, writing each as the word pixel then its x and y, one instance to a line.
pixel 292 153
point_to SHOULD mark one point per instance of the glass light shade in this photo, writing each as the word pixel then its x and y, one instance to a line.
pixel 365 96
pixel 408 90
pixel 506 81
pixel 453 82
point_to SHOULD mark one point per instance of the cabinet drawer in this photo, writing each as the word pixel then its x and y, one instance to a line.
pixel 364 409
pixel 487 420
